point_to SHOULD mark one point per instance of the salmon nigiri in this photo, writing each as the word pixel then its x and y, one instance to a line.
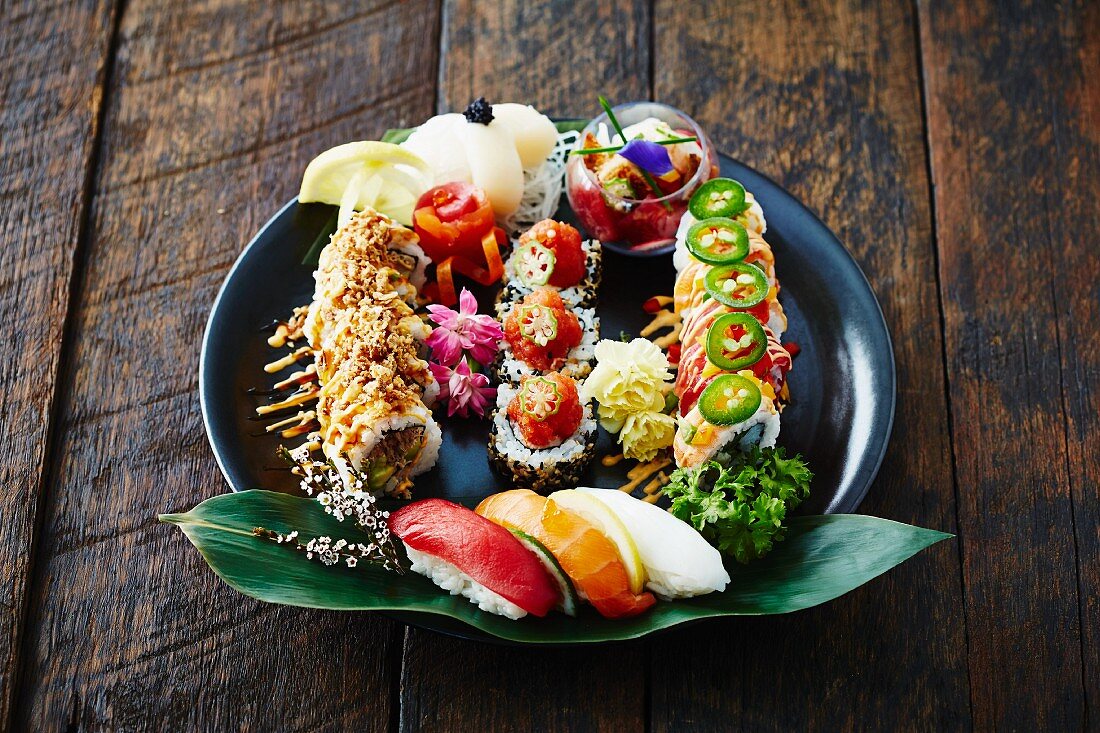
pixel 588 557
pixel 468 555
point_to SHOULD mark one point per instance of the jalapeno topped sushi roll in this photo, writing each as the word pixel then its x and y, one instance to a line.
pixel 542 437
pixel 718 197
pixel 734 412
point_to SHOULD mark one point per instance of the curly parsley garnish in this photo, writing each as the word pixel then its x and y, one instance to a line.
pixel 741 508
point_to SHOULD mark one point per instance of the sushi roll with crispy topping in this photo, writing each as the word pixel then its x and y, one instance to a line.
pixel 375 389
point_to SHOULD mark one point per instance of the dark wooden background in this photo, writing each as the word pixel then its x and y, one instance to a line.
pixel 955 148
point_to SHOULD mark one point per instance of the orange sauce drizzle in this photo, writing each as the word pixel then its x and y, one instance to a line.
pixel 642 472
pixel 292 358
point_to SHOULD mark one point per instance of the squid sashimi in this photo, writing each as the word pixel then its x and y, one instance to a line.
pixel 468 555
pixel 679 563
pixel 590 559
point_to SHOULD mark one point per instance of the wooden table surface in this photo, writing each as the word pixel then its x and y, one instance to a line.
pixel 953 146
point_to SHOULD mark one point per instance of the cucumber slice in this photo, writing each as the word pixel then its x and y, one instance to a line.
pixel 569 600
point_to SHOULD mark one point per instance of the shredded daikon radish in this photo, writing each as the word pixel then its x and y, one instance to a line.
pixel 542 186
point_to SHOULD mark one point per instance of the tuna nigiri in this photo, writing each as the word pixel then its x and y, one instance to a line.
pixel 468 555
pixel 590 559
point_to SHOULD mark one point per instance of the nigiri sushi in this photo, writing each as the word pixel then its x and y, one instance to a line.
pixel 679 563
pixel 466 554
pixel 591 560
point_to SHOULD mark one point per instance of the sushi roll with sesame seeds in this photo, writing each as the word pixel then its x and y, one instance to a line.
pixel 542 437
pixel 551 254
pixel 543 334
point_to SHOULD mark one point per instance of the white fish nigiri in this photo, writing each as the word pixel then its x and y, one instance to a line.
pixel 494 164
pixel 678 561
pixel 532 131
pixel 437 142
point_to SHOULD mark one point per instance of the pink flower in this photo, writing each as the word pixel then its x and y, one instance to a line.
pixel 463 331
pixel 465 390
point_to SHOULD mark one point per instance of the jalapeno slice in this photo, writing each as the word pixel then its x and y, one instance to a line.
pixel 718 241
pixel 729 399
pixel 739 285
pixel 718 197
pixel 736 341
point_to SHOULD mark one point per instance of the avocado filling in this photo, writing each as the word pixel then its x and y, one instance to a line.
pixel 393 456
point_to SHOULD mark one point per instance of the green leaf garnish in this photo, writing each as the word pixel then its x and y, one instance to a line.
pixel 617 148
pixel 397 135
pixel 741 508
pixel 313 254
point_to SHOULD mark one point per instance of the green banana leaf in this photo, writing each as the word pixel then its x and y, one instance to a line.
pixel 823 557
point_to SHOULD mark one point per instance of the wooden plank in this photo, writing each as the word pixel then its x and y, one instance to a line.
pixel 558 57
pixel 825 98
pixel 215 110
pixel 1012 106
pixel 52 70
pixel 555 56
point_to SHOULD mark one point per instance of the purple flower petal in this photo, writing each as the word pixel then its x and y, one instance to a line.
pixel 648 156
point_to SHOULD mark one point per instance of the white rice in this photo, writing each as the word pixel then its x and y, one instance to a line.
pixel 457 583
pixel 579 360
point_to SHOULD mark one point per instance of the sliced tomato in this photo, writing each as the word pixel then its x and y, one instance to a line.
pixel 451 221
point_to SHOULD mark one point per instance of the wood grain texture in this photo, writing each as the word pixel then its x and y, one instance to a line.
pixel 215 109
pixel 1015 146
pixel 557 56
pixel 825 98
pixel 52 69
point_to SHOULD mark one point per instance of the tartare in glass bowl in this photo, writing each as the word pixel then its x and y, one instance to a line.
pixel 626 207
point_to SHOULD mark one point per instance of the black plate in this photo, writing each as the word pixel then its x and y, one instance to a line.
pixel 842 383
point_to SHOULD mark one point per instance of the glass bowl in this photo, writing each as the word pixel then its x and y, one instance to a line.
pixel 636 227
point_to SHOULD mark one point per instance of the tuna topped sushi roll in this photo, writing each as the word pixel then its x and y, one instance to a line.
pixel 542 333
pixel 466 554
pixel 551 254
pixel 542 437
